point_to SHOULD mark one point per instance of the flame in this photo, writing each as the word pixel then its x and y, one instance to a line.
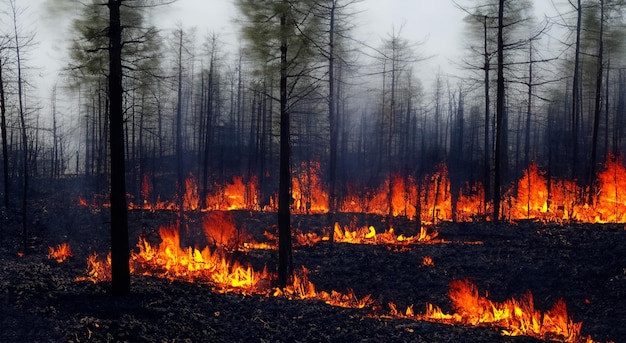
pixel 534 196
pixel 168 260
pixel 191 199
pixel 368 235
pixel 427 261
pixel 146 187
pixel 220 230
pixel 611 203
pixel 60 253
pixel 238 195
pixel 98 270
pixel 307 191
pixel 514 316
pixel 301 288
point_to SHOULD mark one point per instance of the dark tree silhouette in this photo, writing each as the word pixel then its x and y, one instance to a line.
pixel 120 282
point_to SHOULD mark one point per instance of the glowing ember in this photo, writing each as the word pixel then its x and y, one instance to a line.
pixel 514 316
pixel 427 261
pixel 60 253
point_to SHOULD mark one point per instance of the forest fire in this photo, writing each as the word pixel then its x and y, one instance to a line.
pixel 534 196
pixel 515 317
pixel 169 261
pixel 60 253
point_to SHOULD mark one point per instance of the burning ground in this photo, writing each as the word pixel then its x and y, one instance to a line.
pixel 582 264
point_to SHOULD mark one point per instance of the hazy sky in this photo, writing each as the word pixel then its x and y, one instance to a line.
pixel 436 23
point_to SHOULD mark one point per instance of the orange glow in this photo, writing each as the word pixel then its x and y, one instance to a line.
pixel 307 190
pixel 191 199
pixel 98 270
pixel 368 235
pixel 301 288
pixel 427 261
pixel 238 195
pixel 220 230
pixel 60 253
pixel 534 196
pixel 611 203
pixel 146 187
pixel 168 260
pixel 514 316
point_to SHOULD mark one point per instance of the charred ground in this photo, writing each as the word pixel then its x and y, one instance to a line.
pixel 583 264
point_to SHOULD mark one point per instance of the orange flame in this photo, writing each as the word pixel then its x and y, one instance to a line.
pixel 97 270
pixel 535 196
pixel 169 260
pixel 427 261
pixel 191 199
pixel 368 235
pixel 60 253
pixel 220 230
pixel 514 316
pixel 301 288
pixel 307 191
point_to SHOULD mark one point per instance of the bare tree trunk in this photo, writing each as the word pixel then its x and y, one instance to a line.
pixel 333 122
pixel 487 146
pixel 3 130
pixel 22 125
pixel 576 93
pixel 285 258
pixel 597 109
pixel 120 283
pixel 499 132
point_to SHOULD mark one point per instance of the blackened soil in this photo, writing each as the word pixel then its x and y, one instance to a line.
pixel 40 301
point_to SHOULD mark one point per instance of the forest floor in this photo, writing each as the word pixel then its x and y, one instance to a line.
pixel 40 302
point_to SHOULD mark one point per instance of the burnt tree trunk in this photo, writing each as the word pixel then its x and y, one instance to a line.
pixel 597 109
pixel 498 155
pixel 3 130
pixel 487 146
pixel 120 281
pixel 576 93
pixel 285 258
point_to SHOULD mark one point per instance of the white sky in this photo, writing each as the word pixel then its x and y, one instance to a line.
pixel 436 23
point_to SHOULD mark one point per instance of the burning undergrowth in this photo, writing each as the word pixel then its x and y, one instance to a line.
pixel 581 264
pixel 534 196
pixel 217 267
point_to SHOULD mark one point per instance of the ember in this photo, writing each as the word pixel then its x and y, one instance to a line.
pixel 60 253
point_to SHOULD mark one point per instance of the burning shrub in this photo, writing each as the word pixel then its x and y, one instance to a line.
pixel 220 230
pixel 60 253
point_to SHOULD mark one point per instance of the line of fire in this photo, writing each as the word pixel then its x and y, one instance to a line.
pixel 534 197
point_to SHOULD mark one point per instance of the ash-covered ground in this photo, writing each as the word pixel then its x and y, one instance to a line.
pixel 583 264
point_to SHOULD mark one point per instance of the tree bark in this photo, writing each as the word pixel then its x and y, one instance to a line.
pixel 499 115
pixel 3 130
pixel 597 109
pixel 120 282
pixel 285 258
